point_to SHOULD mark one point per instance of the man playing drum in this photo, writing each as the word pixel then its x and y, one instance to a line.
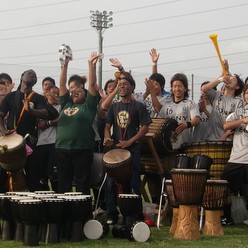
pixel 181 109
pixel 125 117
pixel 23 107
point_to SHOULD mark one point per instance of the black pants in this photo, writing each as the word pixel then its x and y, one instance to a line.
pixel 42 166
pixel 74 165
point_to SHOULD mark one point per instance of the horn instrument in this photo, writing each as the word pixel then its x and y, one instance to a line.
pixel 213 37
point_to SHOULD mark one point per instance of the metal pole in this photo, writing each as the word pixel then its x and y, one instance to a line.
pixel 99 80
pixel 192 79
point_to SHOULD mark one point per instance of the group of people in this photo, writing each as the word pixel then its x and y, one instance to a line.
pixel 68 123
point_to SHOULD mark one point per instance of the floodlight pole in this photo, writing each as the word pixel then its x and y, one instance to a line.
pixel 100 21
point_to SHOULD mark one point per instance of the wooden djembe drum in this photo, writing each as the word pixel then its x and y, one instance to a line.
pixel 189 186
pixel 213 203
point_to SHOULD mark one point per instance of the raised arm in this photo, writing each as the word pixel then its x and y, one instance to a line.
pixel 154 58
pixel 116 63
pixel 63 78
pixel 155 102
pixel 92 73
pixel 105 104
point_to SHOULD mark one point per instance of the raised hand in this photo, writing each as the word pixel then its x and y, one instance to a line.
pixel 154 55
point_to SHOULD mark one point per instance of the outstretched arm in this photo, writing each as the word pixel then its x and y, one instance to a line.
pixel 92 73
pixel 63 78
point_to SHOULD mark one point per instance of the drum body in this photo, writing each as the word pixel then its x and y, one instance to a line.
pixel 189 185
pixel 183 161
pixel 13 152
pixel 97 170
pixel 77 208
pixel 161 130
pixel 118 165
pixel 5 209
pixel 214 195
pixel 130 204
pixel 30 211
pixel 219 151
pixel 53 210
pixel 170 193
pixel 213 203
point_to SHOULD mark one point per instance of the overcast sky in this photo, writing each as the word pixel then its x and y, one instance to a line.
pixel 32 31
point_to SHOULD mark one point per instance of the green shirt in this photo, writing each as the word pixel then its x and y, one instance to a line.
pixel 74 130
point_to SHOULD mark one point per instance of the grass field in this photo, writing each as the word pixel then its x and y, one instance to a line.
pixel 234 236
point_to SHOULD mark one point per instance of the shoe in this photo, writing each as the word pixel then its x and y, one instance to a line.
pixel 227 221
pixel 111 222
pixel 245 222
pixel 99 211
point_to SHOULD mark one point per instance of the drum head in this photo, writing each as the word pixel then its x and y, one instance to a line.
pixel 93 229
pixel 140 232
pixel 116 156
pixel 168 133
pixel 11 141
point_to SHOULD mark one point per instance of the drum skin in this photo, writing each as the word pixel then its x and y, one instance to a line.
pixel 13 152
pixel 118 165
pixel 162 131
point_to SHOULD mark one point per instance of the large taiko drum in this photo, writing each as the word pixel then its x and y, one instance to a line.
pixel 189 186
pixel 12 152
pixel 162 132
pixel 118 165
pixel 219 151
pixel 213 203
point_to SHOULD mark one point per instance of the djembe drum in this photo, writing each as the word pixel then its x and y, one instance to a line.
pixel 173 204
pixel 6 216
pixel 213 203
pixel 53 213
pixel 119 167
pixel 19 228
pixel 31 214
pixel 189 186
pixel 183 161
pixel 77 210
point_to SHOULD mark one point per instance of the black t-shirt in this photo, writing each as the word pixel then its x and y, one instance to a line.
pixel 126 119
pixel 12 105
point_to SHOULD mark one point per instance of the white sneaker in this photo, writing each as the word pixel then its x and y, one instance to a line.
pixel 99 211
pixel 245 222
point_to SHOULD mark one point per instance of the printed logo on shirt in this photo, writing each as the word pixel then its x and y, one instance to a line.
pixel 71 111
pixel 122 118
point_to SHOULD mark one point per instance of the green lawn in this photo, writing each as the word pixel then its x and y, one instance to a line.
pixel 234 236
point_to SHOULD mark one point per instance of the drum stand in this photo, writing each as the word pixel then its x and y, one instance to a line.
pixel 94 229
